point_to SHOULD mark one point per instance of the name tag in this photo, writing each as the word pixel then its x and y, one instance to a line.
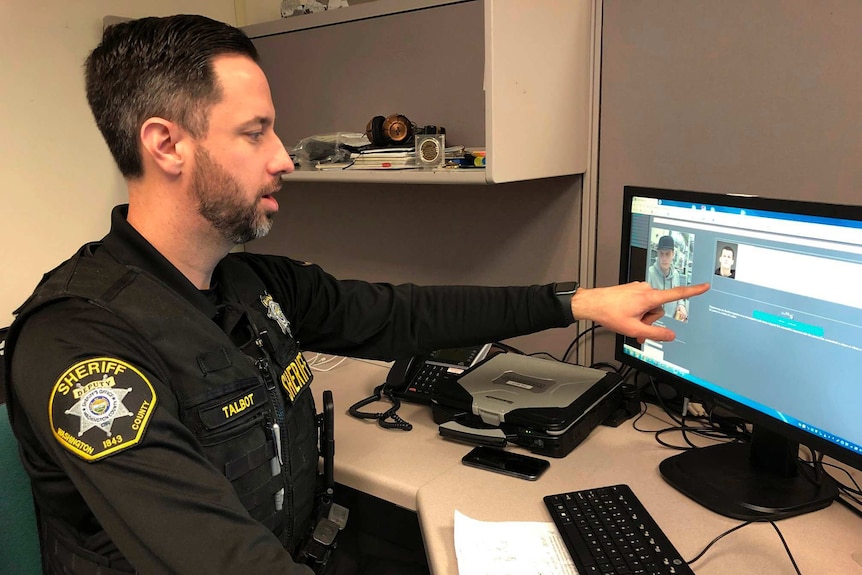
pixel 233 407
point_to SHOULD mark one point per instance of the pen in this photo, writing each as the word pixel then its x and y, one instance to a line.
pixel 275 463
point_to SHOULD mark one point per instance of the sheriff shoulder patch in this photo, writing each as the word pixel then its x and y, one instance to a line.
pixel 100 406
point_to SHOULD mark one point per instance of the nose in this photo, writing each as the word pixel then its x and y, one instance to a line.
pixel 281 162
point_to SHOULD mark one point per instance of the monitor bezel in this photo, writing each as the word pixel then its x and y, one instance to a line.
pixel 691 389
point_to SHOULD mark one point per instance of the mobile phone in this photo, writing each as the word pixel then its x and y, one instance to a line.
pixel 506 462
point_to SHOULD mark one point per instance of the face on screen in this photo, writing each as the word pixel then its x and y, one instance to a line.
pixel 665 259
pixel 725 260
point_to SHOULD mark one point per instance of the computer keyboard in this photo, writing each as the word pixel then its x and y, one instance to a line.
pixel 608 530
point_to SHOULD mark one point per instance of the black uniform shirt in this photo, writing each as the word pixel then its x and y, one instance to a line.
pixel 160 504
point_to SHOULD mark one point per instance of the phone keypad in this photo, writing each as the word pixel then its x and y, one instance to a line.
pixel 422 385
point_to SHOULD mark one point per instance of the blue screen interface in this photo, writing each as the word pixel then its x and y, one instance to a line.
pixel 780 330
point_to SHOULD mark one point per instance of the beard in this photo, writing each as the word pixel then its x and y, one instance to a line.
pixel 221 201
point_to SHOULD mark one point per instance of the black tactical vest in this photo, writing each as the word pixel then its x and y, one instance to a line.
pixel 231 396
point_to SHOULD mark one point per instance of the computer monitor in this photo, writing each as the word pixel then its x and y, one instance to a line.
pixel 777 340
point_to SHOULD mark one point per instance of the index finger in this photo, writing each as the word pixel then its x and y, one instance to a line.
pixel 682 292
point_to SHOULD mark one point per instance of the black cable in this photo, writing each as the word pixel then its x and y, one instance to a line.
pixel 857 490
pixel 714 541
pixel 661 402
pixel 627 371
pixel 669 445
pixel 740 433
pixel 786 547
pixel 709 431
pixel 848 496
pixel 683 428
pixel 577 337
pixel 543 353
pixel 819 472
pixel 600 364
pixel 855 507
pixel 817 459
pixel 703 432
pixel 640 415
pixel 388 419
pixel 509 348
pixel 740 526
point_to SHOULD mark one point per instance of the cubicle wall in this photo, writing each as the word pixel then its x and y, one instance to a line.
pixel 504 234
pixel 734 96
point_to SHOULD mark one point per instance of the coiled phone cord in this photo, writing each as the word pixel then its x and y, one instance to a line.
pixel 388 419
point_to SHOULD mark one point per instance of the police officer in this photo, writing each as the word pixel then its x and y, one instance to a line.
pixel 157 384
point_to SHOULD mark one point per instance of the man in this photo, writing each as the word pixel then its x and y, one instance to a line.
pixel 158 388
pixel 663 275
pixel 725 263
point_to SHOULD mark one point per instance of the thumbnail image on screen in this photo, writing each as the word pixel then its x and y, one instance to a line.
pixel 672 257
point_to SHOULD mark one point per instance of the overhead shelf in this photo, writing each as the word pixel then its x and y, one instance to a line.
pixel 424 176
pixel 508 76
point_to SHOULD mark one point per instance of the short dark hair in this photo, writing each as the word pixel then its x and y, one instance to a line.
pixel 157 67
pixel 730 249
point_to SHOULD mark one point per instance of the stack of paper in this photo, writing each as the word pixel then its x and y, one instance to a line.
pixel 384 159
pixel 509 548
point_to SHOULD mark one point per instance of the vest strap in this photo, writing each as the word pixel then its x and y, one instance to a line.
pixel 248 461
pixel 257 496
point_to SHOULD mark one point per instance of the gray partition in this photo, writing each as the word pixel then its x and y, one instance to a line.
pixel 506 234
pixel 738 96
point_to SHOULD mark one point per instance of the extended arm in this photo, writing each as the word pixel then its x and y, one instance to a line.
pixel 631 309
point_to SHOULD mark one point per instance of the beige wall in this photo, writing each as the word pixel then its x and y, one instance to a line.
pixel 59 182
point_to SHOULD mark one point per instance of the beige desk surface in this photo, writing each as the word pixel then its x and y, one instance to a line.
pixel 388 463
pixel 419 470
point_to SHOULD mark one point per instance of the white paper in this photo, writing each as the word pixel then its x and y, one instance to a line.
pixel 509 548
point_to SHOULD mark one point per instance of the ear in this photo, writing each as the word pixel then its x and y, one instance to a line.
pixel 164 144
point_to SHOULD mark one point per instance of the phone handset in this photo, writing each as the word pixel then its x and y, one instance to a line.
pixel 397 378
pixel 413 379
pixel 416 379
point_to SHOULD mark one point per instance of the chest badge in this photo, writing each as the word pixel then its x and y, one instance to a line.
pixel 273 312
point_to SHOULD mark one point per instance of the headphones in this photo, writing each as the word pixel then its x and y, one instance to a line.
pixel 396 130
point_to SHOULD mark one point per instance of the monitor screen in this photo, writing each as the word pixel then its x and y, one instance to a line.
pixel 776 340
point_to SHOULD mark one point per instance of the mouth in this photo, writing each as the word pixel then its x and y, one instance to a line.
pixel 269 195
pixel 270 202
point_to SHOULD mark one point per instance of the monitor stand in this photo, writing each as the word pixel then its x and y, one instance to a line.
pixel 750 481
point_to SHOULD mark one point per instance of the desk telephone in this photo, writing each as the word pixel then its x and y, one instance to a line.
pixel 414 379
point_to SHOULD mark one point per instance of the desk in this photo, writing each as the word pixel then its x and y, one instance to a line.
pixel 422 472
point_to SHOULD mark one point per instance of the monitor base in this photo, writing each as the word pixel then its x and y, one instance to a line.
pixel 723 479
